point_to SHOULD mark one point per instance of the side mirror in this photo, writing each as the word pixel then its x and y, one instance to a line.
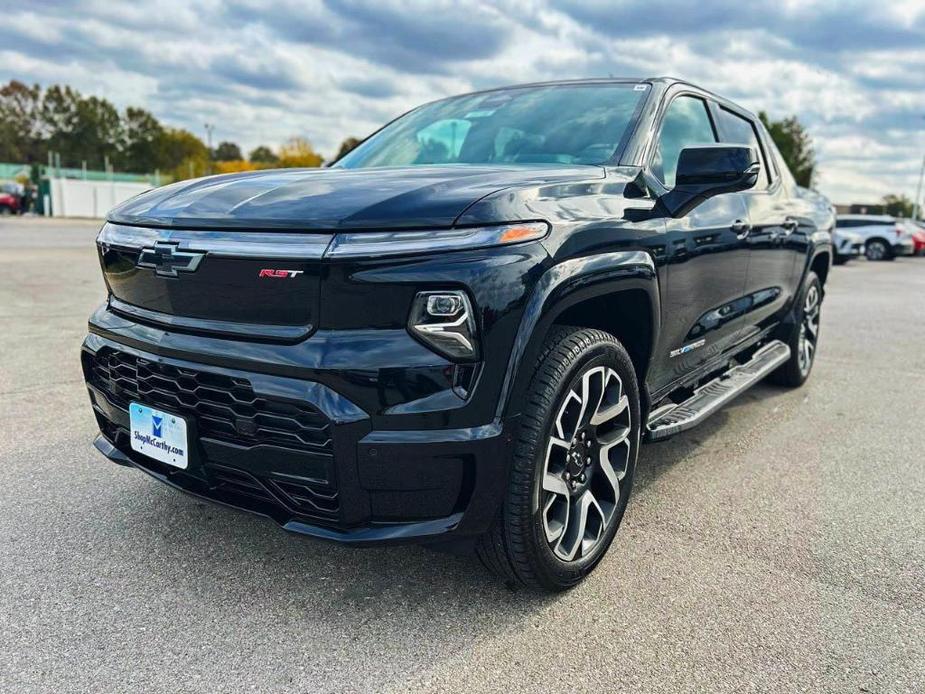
pixel 710 170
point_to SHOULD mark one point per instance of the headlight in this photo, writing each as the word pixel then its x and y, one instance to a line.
pixel 444 321
pixel 377 243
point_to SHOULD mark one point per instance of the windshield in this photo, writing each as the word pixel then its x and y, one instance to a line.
pixel 563 124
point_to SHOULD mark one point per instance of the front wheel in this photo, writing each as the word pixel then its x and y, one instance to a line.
pixel 573 463
pixel 878 249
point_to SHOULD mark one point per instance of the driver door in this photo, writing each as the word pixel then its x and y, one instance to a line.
pixel 707 255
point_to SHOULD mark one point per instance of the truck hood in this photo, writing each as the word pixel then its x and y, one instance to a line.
pixel 315 199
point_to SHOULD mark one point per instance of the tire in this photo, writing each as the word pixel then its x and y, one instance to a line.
pixel 5 211
pixel 878 249
pixel 805 331
pixel 549 533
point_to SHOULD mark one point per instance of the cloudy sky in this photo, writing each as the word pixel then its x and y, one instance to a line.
pixel 854 73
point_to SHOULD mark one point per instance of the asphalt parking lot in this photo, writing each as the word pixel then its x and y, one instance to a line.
pixel 779 547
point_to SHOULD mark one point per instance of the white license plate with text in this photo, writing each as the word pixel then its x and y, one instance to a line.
pixel 159 435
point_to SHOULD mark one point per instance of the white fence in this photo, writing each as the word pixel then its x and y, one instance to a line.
pixel 77 198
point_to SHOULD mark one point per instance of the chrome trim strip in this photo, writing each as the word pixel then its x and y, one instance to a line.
pixel 231 244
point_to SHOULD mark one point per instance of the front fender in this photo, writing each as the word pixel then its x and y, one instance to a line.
pixel 562 286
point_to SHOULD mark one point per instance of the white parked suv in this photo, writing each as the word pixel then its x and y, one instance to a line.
pixel 845 244
pixel 883 237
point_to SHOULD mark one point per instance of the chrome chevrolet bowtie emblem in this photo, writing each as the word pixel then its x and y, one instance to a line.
pixel 167 260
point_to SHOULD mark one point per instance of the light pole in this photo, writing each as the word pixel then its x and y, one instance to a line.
pixel 209 128
pixel 918 191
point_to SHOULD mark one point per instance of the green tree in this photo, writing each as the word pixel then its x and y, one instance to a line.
pixel 795 145
pixel 263 155
pixel 347 145
pixel 80 129
pixel 227 151
pixel 184 154
pixel 20 135
pixel 141 149
pixel 897 205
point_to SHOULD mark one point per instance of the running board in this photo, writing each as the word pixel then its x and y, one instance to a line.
pixel 671 419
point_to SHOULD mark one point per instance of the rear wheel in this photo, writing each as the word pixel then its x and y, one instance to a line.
pixel 573 464
pixel 878 249
pixel 5 211
pixel 803 337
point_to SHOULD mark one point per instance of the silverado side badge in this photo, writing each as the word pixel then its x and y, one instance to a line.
pixel 688 348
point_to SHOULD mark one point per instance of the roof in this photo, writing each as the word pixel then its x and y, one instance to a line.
pixel 577 81
pixel 665 80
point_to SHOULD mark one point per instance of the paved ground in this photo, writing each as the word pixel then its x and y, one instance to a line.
pixel 780 547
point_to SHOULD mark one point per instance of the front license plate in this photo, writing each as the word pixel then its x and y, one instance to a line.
pixel 159 435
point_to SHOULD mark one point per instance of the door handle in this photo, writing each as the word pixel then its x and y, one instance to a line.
pixel 741 228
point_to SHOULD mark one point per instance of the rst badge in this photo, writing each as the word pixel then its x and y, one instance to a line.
pixel 280 274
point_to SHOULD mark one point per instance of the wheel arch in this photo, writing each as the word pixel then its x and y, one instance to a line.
pixel 626 313
pixel 821 264
pixel 616 292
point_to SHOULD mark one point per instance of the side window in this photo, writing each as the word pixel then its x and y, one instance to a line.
pixel 786 177
pixel 740 131
pixel 686 123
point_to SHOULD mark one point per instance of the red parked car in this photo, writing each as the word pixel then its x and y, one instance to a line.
pixel 918 238
pixel 917 231
pixel 9 204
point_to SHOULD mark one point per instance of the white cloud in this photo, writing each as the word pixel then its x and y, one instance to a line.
pixel 852 72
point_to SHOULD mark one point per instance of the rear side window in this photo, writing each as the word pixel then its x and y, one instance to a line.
pixel 787 180
pixel 686 123
pixel 741 131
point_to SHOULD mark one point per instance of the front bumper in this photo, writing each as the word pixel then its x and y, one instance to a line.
pixel 849 247
pixel 299 452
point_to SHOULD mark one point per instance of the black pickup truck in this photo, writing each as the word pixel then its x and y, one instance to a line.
pixel 460 333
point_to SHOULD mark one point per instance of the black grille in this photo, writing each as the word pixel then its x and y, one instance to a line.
pixel 229 479
pixel 305 497
pixel 225 408
pixel 299 495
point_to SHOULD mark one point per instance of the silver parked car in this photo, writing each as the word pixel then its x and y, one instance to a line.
pixel 883 237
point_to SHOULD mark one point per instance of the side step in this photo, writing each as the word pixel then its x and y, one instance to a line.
pixel 671 419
